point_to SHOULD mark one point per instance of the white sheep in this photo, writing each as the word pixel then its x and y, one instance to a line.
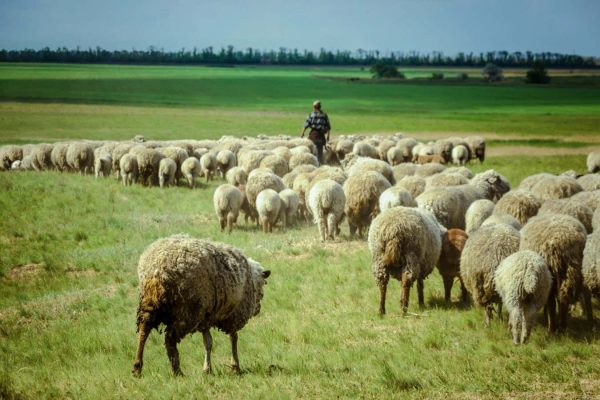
pixel 396 196
pixel 227 201
pixel 191 169
pixel 289 206
pixel 268 206
pixel 128 168
pixel 593 162
pixel 166 172
pixel 326 201
pixel 460 155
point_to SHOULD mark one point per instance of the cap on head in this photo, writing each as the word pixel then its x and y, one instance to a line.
pixel 317 104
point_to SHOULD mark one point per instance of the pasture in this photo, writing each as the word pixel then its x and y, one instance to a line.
pixel 69 244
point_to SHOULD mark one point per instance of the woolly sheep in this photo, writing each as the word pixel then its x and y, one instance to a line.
pixel 429 169
pixel 384 147
pixel 560 240
pixel 148 161
pixel 396 196
pixel 423 150
pixel 190 170
pixel 268 206
pixel 225 161
pixel 362 193
pixel 519 203
pixel 591 272
pixel 259 182
pixel 302 158
pixel 403 169
pixel 80 157
pixel 166 172
pixel 460 155
pixel 593 162
pixel 555 187
pixel 283 152
pixel 26 164
pixel 482 254
pixel 102 164
pixel 324 172
pixel 208 163
pixel 9 154
pixel 363 164
pixel 364 149
pixel 343 147
pixel 428 159
pixel 58 156
pixel 450 204
pixel 589 182
pixel 443 148
pixel 199 152
pixel 41 157
pixel 523 281
pixel 502 219
pixel 178 155
pixel 464 171
pixel 588 199
pixel 250 159
pixel 300 186
pixel 445 179
pixel 276 163
pixel 565 206
pixel 326 201
pixel 227 201
pixel 191 285
pixel 476 145
pixel 453 242
pixel 128 169
pixel 405 243
pixel 289 206
pixel 406 146
pixel 414 184
pixel 300 150
pixel 395 155
pixel 478 212
pixel 236 176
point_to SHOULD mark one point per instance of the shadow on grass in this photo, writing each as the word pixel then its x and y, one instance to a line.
pixel 439 302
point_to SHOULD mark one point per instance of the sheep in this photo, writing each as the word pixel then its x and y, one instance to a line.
pixel 166 172
pixel 427 159
pixel 102 163
pixel 128 169
pixel 429 169
pixel 9 154
pixel 482 254
pixel 362 193
pixel 250 159
pixel 395 156
pixel 80 157
pixel 478 212
pixel 593 162
pixel 523 281
pixel 464 171
pixel 58 156
pixel 450 204
pixel 589 182
pixel 406 146
pixel 268 206
pixel 445 179
pixel 227 201
pixel 364 149
pixel 276 163
pixel 190 170
pixel 191 285
pixel 236 176
pixel 302 158
pixel 591 272
pixel 208 164
pixel 414 184
pixel 502 219
pixel 26 164
pixel 225 161
pixel 139 139
pixel 326 201
pixel 148 161
pixel 300 150
pixel 259 182
pixel 41 157
pixel 404 169
pixel 354 165
pixel 444 147
pixel 405 243
pixel 565 206
pixel 396 196
pixel 384 147
pixel 519 203
pixel 460 155
pixel 300 186
pixel 199 152
pixel 289 206
pixel 424 150
pixel 588 199
pixel 532 180
pixel 595 218
pixel 560 240
pixel 453 242
pixel 343 147
pixel 551 187
pixel 178 155
pixel 324 172
pixel 476 146
pixel 283 152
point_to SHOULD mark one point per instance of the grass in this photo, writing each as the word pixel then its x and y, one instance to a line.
pixel 51 102
pixel 67 327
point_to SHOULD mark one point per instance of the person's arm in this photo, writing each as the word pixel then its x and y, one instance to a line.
pixel 302 133
pixel 306 125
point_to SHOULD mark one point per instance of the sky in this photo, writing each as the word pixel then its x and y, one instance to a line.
pixel 450 26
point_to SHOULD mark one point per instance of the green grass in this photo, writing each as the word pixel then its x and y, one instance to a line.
pixel 51 102
pixel 68 330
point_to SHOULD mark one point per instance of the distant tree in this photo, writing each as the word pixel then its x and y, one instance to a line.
pixel 537 73
pixel 463 76
pixel 492 73
pixel 437 75
pixel 383 70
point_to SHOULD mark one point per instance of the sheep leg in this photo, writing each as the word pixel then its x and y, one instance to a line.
pixel 489 310
pixel 500 311
pixel 464 294
pixel 563 314
pixel 143 333
pixel 551 312
pixel 331 226
pixel 587 305
pixel 235 362
pixel 405 292
pixel 515 321
pixel 352 228
pixel 172 352
pixel 207 338
pixel 222 222
pixel 322 223
pixel 448 282
pixel 382 294
pixel 528 320
pixel 230 221
pixel 420 293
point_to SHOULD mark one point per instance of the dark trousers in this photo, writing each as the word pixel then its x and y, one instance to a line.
pixel 318 138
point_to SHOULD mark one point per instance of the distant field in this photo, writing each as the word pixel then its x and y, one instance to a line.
pixel 53 102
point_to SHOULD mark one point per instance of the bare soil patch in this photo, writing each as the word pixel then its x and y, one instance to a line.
pixel 24 272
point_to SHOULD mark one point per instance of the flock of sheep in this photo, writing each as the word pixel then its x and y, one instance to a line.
pixel 532 247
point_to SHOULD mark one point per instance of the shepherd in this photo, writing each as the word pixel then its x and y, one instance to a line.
pixel 318 122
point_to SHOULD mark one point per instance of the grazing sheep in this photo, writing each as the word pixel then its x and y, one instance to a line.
pixel 227 201
pixel 362 193
pixel 283 152
pixel 166 172
pixel 591 272
pixel 482 254
pixel 128 169
pixel 464 171
pixel 404 169
pixel 453 242
pixel 429 169
pixel 190 170
pixel 395 156
pixel 424 151
pixel 355 165
pixel 80 157
pixel 259 182
pixel 476 146
pixel 396 196
pixel 588 199
pixel 191 285
pixel 554 187
pixel 593 162
pixel 225 161
pixel 565 206
pixel 102 164
pixel 449 205
pixel 178 155
pixel 478 212
pixel 433 158
pixel 405 243
pixel 406 146
pixel 300 186
pixel 300 150
pixel 289 206
pixel 445 179
pixel 250 159
pixel 414 184
pixel 364 149
pixel 560 239
pixel 199 152
pixel 236 176
pixel 326 201
pixel 324 172
pixel 275 163
pixel 268 206
pixel 41 157
pixel 301 159
pixel 519 203
pixel 58 156
pixel 460 155
pixel 208 163
pixel 523 281
pixel 148 161
pixel 443 147
pixel 342 148
pixel 502 219
pixel 384 147
pixel 8 155
pixel 589 182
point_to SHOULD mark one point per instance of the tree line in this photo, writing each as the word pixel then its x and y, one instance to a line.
pixel 284 56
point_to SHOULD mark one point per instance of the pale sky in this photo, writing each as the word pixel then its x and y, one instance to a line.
pixel 563 26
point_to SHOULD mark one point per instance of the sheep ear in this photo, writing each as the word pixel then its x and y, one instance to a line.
pixel 266 274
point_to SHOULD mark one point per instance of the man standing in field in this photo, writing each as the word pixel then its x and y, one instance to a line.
pixel 318 122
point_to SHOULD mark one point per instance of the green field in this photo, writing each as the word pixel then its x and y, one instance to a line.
pixel 69 244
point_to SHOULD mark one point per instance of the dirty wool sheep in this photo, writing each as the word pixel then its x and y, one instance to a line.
pixel 560 240
pixel 519 203
pixel 362 193
pixel 591 272
pixel 453 243
pixel 128 169
pixel 80 157
pixel 523 281
pixel 405 243
pixel 396 196
pixel 225 161
pixel 326 201
pixel 227 201
pixel 148 161
pixel 208 163
pixel 192 285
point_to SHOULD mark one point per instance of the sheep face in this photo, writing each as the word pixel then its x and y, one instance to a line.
pixel 259 280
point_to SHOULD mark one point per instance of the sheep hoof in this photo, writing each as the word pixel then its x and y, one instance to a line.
pixel 236 369
pixel 207 370
pixel 137 371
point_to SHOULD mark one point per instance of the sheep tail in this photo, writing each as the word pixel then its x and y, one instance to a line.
pixel 153 299
pixel 530 280
pixel 392 252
